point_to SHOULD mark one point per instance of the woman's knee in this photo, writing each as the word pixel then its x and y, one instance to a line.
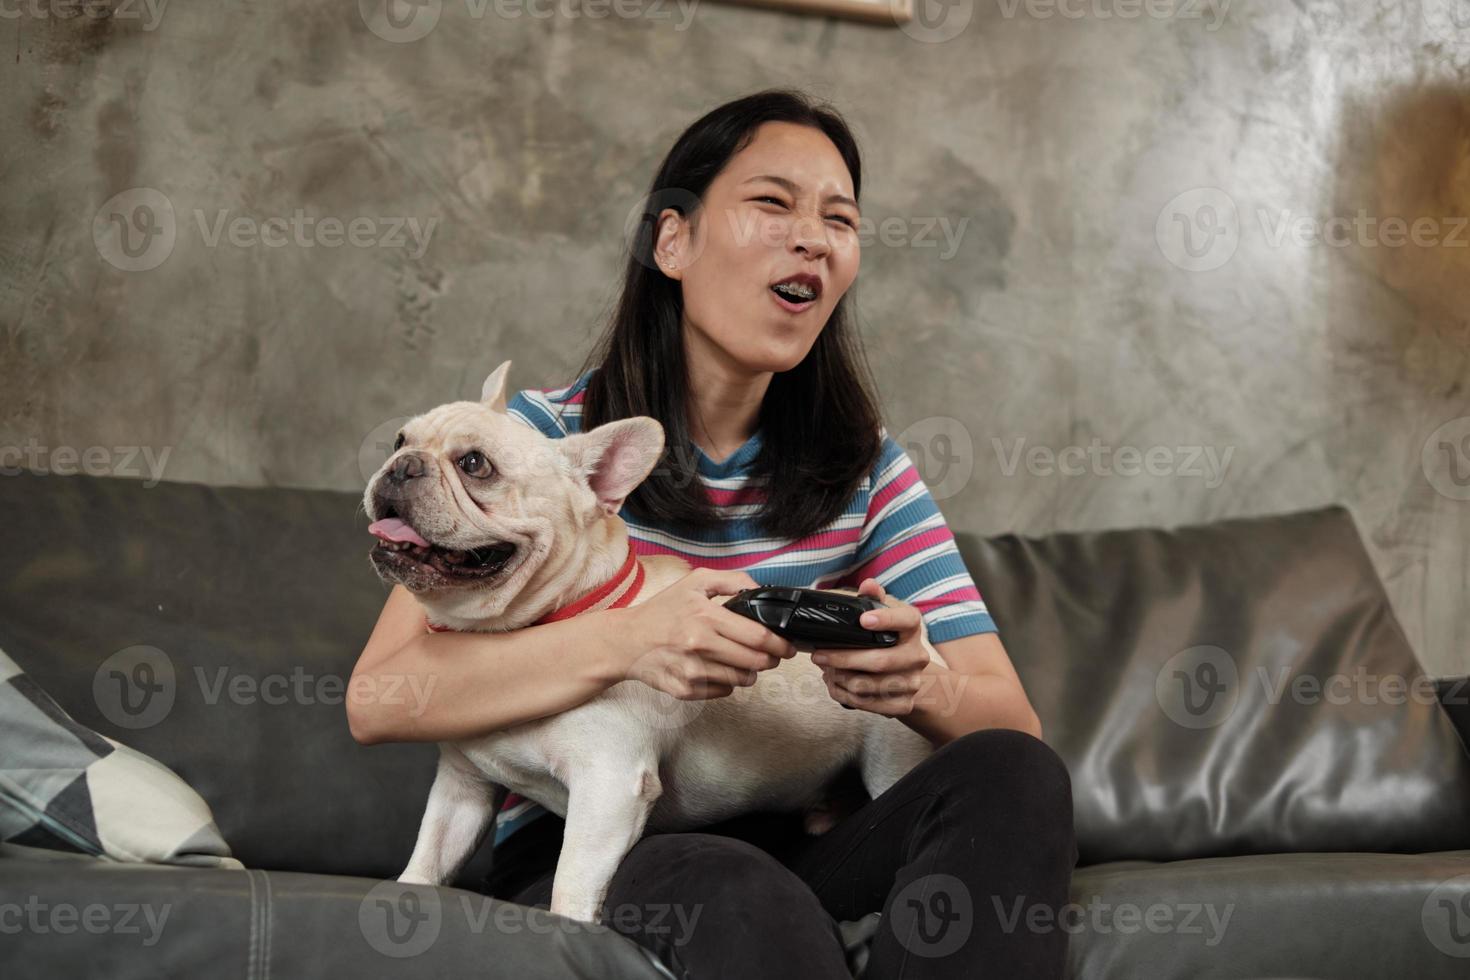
pixel 709 868
pixel 1022 768
pixel 685 879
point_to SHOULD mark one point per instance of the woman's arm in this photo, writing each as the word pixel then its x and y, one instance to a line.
pixel 979 688
pixel 411 685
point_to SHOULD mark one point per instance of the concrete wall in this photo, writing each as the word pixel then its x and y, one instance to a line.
pixel 1085 304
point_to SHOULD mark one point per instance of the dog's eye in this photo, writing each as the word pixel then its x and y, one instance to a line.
pixel 475 464
pixel 398 443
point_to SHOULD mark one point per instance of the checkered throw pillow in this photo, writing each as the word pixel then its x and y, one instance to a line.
pixel 64 787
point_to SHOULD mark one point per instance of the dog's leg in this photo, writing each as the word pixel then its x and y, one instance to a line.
pixel 889 752
pixel 607 807
pixel 462 805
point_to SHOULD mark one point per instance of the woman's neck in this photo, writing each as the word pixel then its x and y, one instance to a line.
pixel 724 402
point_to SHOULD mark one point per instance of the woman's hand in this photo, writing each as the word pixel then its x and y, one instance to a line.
pixel 692 648
pixel 882 680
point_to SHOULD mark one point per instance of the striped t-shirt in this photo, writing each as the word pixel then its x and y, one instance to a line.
pixel 891 530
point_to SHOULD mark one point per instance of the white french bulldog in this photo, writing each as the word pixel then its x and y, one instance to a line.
pixel 492 526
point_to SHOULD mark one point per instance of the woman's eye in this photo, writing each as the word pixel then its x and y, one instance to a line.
pixel 398 443
pixel 773 200
pixel 844 219
pixel 474 464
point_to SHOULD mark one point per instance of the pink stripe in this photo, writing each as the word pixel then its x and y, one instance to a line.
pixel 963 594
pixel 575 399
pixel 901 481
pixel 893 555
pixel 736 498
pixel 825 539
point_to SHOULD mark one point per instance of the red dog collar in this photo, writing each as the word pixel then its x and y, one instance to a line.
pixel 630 575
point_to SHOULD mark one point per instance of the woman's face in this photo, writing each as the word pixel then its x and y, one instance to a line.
pixel 783 207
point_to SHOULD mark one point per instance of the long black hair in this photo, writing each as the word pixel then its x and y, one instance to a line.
pixel 819 421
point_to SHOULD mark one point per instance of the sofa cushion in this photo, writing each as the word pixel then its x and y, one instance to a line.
pixel 64 787
pixel 1227 688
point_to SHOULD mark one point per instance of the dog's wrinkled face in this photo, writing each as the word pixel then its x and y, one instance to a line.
pixel 472 502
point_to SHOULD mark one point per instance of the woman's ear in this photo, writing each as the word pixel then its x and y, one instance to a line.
pixel 669 241
pixel 615 457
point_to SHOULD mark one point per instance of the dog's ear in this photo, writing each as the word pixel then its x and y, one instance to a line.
pixel 615 458
pixel 493 392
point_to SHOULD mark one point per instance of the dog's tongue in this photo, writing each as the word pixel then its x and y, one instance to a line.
pixel 396 529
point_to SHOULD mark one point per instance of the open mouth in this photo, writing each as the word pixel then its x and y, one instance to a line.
pixel 797 292
pixel 399 542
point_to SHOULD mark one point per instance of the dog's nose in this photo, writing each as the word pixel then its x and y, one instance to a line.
pixel 409 466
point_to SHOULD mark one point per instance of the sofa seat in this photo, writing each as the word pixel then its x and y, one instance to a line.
pixel 1312 914
pixel 151 920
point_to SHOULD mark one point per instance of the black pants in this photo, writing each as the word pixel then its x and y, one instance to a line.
pixel 957 855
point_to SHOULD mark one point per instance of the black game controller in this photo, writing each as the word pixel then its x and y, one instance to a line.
pixel 812 617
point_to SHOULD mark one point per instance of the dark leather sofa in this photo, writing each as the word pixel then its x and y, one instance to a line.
pixel 1255 794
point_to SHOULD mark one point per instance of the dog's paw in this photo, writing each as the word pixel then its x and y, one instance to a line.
pixel 414 879
pixel 580 911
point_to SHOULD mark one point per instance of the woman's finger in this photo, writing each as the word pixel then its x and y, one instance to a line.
pixel 884 685
pixel 725 654
pixel 878 704
pixel 875 660
pixel 748 633
pixel 900 618
pixel 716 582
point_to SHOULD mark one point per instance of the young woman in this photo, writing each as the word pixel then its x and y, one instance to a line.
pixel 733 331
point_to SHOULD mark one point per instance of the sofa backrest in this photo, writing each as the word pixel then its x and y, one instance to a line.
pixel 1235 687
pixel 256 603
